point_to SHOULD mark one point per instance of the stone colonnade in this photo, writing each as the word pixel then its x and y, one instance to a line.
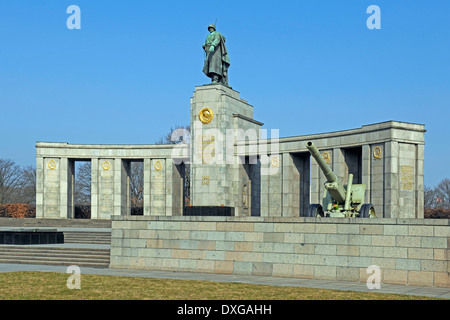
pixel 273 177
pixel 387 157
pixel 110 179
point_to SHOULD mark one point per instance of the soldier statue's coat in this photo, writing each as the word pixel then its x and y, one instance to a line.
pixel 217 60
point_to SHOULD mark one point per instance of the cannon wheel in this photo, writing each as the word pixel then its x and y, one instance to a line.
pixel 367 211
pixel 315 210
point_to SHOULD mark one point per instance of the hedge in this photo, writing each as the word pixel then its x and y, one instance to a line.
pixel 17 210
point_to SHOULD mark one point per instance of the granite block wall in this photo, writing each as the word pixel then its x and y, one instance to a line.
pixel 408 251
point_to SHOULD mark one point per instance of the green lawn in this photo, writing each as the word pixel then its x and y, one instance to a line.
pixel 52 286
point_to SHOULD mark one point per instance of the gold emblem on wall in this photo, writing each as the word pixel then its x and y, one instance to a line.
pixel 106 165
pixel 275 161
pixel 206 115
pixel 158 165
pixel 377 152
pixel 52 165
pixel 205 180
pixel 326 157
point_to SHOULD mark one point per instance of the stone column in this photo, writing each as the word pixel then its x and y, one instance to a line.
pixel 67 188
pixel 288 199
pixel 158 187
pixel 40 187
pixel 339 165
pixel 52 188
pixel 276 186
pixel 125 188
pixel 264 187
pixel 105 173
pixel 168 187
pixel 147 186
pixel 365 167
pixel 391 177
pixel 163 187
pixel 315 186
pixel 94 188
pixel 121 180
pixel 63 188
pixel 420 183
pixel 408 185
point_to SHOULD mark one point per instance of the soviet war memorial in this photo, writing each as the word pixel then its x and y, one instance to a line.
pixel 224 196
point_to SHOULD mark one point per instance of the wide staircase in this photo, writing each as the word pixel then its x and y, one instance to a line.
pixel 82 257
pixel 83 246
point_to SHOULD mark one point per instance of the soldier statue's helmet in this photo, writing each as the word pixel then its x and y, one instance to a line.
pixel 212 26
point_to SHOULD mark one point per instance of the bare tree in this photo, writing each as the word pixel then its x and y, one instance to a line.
pixel 28 185
pixel 429 198
pixel 10 181
pixel 136 183
pixel 442 191
pixel 82 192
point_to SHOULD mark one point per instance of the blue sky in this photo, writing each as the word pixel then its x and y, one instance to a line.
pixel 306 66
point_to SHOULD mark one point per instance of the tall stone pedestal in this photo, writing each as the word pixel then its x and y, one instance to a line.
pixel 219 177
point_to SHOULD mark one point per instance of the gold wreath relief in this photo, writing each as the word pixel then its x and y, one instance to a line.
pixel 206 115
pixel 326 157
pixel 52 165
pixel 275 161
pixel 377 152
pixel 158 166
pixel 106 165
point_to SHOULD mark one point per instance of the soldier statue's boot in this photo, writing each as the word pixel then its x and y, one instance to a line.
pixel 215 78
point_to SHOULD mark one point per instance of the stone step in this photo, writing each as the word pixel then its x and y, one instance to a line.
pixel 88 233
pixel 87 237
pixel 57 263
pixel 49 259
pixel 87 241
pixel 40 254
pixel 92 257
pixel 37 248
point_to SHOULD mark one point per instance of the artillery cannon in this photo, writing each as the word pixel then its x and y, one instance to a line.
pixel 339 200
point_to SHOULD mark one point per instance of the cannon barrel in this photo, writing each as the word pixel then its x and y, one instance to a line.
pixel 333 185
pixel 329 174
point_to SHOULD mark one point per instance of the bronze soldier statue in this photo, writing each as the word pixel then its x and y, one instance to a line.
pixel 217 60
